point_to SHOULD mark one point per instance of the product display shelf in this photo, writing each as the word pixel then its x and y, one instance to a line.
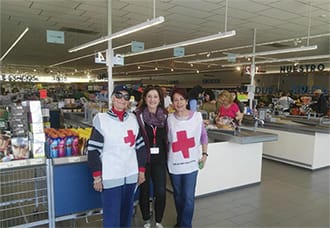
pixel 71 190
pixel 23 193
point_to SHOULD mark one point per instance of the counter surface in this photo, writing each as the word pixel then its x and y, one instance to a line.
pixel 241 136
pixel 295 124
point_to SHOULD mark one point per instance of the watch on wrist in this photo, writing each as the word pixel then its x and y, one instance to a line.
pixel 206 154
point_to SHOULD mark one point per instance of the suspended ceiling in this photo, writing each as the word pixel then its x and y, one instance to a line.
pixel 279 24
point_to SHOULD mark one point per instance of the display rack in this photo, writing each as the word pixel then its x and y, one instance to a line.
pixel 71 190
pixel 35 192
pixel 23 193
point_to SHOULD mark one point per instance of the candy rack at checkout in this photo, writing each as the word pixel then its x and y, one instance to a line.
pixel 42 169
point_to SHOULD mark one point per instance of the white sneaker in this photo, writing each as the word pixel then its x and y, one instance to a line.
pixel 159 225
pixel 147 224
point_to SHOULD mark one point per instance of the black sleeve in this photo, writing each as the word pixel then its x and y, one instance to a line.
pixel 95 146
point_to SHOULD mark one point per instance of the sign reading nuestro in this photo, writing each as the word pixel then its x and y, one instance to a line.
pixel 302 68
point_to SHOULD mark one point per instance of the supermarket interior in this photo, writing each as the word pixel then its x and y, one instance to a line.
pixel 60 62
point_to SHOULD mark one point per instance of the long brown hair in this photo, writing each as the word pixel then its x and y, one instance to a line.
pixel 143 103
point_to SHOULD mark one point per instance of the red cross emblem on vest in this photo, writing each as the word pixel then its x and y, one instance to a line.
pixel 183 144
pixel 130 138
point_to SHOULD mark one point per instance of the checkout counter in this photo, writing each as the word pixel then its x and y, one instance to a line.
pixel 235 159
pixel 302 141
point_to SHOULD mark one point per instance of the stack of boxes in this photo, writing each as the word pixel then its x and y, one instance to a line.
pixel 36 126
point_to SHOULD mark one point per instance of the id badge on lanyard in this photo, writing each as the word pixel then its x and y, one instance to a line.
pixel 154 149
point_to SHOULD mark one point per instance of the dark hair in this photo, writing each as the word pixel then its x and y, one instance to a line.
pixel 193 93
pixel 146 91
pixel 210 93
pixel 181 91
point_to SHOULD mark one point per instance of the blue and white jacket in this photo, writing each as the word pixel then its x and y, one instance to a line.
pixel 116 149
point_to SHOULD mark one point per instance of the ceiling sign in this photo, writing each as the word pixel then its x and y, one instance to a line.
pixel 231 57
pixel 178 51
pixel 99 58
pixel 118 60
pixel 137 46
pixel 56 37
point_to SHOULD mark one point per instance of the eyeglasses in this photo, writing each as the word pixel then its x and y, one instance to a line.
pixel 120 95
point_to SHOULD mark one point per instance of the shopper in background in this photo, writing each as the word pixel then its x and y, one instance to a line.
pixel 228 111
pixel 194 94
pixel 320 104
pixel 209 104
pixel 186 134
pixel 152 118
pixel 166 97
pixel 235 99
pixel 285 101
pixel 117 157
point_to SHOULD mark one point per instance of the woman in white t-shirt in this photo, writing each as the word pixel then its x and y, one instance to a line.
pixel 186 132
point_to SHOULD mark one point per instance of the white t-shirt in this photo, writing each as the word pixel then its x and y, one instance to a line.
pixel 167 101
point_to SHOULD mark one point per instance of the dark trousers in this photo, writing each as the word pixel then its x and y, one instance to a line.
pixel 184 197
pixel 157 174
pixel 118 205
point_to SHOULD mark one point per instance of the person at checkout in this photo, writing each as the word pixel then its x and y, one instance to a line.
pixel 320 105
pixel 285 102
pixel 229 114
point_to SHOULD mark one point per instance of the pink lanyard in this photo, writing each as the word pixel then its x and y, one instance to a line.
pixel 154 130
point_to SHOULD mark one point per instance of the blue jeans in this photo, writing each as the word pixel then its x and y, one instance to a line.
pixel 184 197
pixel 118 205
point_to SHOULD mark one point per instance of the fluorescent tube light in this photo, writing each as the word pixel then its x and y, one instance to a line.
pixel 280 60
pixel 186 43
pixel 135 28
pixel 274 52
pixel 14 44
pixel 71 60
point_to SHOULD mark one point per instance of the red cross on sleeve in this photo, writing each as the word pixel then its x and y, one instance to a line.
pixel 130 138
pixel 183 144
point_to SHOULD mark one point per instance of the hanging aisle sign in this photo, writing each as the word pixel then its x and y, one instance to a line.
pixel 99 58
pixel 56 37
pixel 137 46
pixel 118 60
pixel 231 57
pixel 178 51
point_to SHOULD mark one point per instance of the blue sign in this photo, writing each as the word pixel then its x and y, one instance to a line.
pixel 231 57
pixel 178 51
pixel 137 46
pixel 56 37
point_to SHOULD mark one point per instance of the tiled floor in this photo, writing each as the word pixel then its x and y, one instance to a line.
pixel 286 197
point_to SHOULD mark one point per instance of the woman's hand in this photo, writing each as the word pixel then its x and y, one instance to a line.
pixel 98 186
pixel 141 178
pixel 202 160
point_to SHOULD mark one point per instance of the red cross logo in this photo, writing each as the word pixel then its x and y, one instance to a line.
pixel 183 144
pixel 130 138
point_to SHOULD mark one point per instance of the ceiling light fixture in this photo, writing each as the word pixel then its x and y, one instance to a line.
pixel 71 60
pixel 124 32
pixel 122 46
pixel 274 52
pixel 14 44
pixel 185 43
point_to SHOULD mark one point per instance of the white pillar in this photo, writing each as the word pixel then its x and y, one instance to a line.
pixel 109 53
